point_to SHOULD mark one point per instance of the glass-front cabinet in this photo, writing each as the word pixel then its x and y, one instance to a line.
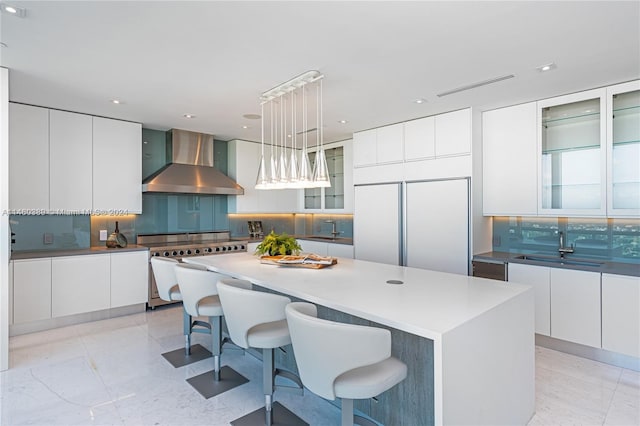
pixel 623 150
pixel 335 198
pixel 572 155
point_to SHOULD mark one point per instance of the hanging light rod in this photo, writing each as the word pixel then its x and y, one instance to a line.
pixel 295 83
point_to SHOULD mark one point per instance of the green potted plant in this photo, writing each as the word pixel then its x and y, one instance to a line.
pixel 278 245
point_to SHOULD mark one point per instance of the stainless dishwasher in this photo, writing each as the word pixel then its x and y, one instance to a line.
pixel 496 270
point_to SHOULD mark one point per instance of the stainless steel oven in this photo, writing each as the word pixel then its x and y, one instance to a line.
pixel 179 246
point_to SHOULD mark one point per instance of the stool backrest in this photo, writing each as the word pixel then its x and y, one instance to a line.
pixel 164 272
pixel 245 308
pixel 325 349
pixel 195 284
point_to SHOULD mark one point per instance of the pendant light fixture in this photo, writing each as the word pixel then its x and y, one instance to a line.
pixel 285 170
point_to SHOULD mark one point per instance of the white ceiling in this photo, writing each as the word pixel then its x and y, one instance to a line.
pixel 213 59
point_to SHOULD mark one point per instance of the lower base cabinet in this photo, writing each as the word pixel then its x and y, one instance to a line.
pixel 129 278
pixel 79 284
pixel 55 287
pixel 621 314
pixel 327 249
pixel 575 306
pixel 539 278
pixel 31 290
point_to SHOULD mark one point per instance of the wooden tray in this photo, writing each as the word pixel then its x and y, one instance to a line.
pixel 274 260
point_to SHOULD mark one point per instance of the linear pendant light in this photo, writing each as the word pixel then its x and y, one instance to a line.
pixel 285 171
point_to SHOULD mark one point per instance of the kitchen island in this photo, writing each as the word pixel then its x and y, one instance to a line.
pixel 468 342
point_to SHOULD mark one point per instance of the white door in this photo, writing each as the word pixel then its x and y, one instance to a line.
pixel 376 223
pixel 437 225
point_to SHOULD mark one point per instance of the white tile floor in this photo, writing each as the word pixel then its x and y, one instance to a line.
pixel 111 373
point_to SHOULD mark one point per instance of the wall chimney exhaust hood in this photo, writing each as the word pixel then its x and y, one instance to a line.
pixel 191 169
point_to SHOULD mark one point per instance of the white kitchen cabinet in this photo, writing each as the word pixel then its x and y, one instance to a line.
pixel 621 314
pixel 117 166
pixel 70 169
pixel 80 284
pixel 327 249
pixel 31 290
pixel 539 277
pixel 365 148
pixel 623 150
pixel 243 162
pixel 340 250
pixel 575 306
pixel 453 133
pixel 572 155
pixel 389 144
pixel 28 158
pixel 129 278
pixel 509 161
pixel 315 247
pixel 420 139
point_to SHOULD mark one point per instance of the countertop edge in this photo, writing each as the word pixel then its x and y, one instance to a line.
pixel 615 268
pixel 40 254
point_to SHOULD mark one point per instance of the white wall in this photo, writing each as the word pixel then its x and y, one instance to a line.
pixel 481 226
pixel 5 247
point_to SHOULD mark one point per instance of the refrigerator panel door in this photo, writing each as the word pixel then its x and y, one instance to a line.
pixel 376 223
pixel 437 225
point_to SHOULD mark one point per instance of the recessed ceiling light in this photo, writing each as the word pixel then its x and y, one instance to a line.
pixel 13 10
pixel 245 127
pixel 547 67
pixel 419 101
pixel 189 116
pixel 343 121
pixel 116 101
pixel 252 116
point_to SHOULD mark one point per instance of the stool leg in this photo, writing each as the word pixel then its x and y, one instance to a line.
pixel 268 382
pixel 347 412
pixel 186 325
pixel 216 344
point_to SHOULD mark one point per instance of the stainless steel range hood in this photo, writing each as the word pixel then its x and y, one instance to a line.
pixel 191 169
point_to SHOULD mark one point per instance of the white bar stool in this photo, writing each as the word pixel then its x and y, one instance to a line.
pixel 256 319
pixel 338 360
pixel 200 298
pixel 164 273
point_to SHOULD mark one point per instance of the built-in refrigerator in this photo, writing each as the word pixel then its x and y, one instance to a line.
pixel 422 224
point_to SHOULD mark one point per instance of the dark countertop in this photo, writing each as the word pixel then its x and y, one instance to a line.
pixel 39 254
pixel 607 267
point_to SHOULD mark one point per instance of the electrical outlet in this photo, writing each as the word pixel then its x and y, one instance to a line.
pixel 103 235
pixel 47 238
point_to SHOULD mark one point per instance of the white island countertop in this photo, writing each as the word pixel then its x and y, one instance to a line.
pixel 427 304
pixel 482 360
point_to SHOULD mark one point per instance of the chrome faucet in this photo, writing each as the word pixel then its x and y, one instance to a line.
pixel 562 249
pixel 334 231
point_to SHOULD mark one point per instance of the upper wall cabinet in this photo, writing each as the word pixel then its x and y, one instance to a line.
pixel 509 161
pixel 70 168
pixel 243 161
pixel 28 158
pixel 426 148
pixel 572 155
pixel 338 198
pixel 623 150
pixel 117 166
pixel 63 162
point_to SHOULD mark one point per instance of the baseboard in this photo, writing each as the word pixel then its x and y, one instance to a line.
pixel 596 354
pixel 48 324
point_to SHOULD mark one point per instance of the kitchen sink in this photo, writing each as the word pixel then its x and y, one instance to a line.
pixel 560 261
